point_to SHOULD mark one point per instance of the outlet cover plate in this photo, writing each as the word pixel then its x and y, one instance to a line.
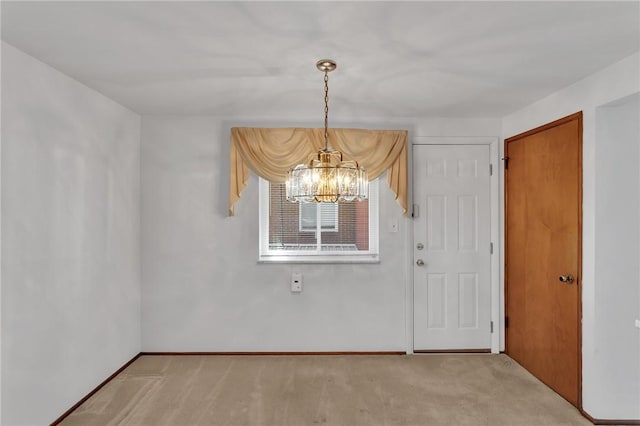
pixel 296 283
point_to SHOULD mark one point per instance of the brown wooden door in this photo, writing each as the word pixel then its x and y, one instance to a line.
pixel 543 193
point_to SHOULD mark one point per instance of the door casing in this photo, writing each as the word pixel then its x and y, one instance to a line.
pixel 497 294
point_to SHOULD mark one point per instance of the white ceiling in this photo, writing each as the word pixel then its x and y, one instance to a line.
pixel 257 59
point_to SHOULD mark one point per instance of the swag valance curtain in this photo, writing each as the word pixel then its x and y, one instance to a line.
pixel 272 152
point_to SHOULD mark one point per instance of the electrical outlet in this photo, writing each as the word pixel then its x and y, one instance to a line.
pixel 392 225
pixel 638 323
pixel 296 283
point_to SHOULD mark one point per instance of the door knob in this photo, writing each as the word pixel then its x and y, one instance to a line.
pixel 420 262
pixel 568 279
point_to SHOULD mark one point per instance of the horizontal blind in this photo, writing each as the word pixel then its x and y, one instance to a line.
pixel 328 216
pixel 286 231
pixel 320 228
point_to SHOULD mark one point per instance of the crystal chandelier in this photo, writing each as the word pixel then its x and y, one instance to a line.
pixel 326 178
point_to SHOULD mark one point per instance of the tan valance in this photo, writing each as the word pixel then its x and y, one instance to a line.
pixel 272 152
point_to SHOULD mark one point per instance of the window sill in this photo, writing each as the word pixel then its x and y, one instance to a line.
pixel 365 259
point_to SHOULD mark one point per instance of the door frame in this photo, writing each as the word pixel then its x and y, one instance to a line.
pixel 497 299
pixel 576 116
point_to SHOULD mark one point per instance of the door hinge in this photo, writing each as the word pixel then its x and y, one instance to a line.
pixel 491 248
pixel 506 162
pixel 490 169
pixel 414 211
pixel 506 322
pixel 491 326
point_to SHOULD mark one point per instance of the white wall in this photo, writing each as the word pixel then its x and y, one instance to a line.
pixel 617 251
pixel 613 83
pixel 1 313
pixel 70 234
pixel 203 289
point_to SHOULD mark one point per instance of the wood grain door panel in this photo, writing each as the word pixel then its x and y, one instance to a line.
pixel 543 240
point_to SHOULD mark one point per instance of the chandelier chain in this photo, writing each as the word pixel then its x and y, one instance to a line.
pixel 327 178
pixel 326 111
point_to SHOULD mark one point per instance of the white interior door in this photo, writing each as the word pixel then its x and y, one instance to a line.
pixel 452 252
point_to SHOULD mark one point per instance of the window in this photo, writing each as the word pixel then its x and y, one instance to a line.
pixel 322 232
pixel 326 213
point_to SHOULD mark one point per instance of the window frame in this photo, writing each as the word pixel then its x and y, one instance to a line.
pixel 266 255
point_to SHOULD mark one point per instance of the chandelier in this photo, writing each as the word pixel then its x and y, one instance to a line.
pixel 326 178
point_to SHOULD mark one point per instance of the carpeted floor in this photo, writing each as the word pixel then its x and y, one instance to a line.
pixel 326 389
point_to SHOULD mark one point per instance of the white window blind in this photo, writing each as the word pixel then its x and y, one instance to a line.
pixel 310 214
pixel 317 232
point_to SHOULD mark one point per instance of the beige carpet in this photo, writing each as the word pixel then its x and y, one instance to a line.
pixel 325 390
